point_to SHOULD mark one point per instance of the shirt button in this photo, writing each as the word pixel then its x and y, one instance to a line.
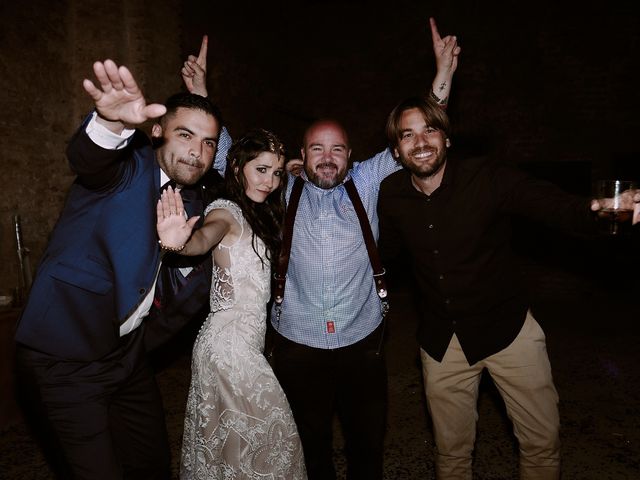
pixel 436 251
pixel 447 301
pixel 142 291
pixel 441 277
pixel 431 226
pixel 453 322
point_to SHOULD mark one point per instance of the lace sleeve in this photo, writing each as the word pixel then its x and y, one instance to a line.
pixel 232 208
pixel 222 285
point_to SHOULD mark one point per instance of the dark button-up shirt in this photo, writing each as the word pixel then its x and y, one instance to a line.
pixel 458 239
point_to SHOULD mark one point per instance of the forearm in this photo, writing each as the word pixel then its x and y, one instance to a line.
pixel 377 168
pixel 96 154
pixel 441 86
pixel 97 168
pixel 446 51
pixel 543 201
pixel 198 244
pixel 106 134
pixel 215 227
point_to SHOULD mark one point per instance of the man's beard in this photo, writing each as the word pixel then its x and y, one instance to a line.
pixel 179 172
pixel 423 169
pixel 323 181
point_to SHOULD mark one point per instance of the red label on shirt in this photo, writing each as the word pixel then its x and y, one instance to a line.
pixel 331 328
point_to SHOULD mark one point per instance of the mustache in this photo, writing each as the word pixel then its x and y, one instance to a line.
pixel 326 165
pixel 192 162
pixel 419 150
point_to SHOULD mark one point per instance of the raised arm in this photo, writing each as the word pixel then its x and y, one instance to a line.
pixel 175 231
pixel 118 99
pixel 194 75
pixel 194 70
pixel 446 51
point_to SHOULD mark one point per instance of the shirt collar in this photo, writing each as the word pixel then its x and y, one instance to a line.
pixel 447 178
pixel 164 178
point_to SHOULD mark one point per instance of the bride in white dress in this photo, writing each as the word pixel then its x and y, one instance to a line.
pixel 238 424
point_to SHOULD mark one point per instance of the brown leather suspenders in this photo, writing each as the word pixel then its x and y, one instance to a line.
pixel 374 258
pixel 280 275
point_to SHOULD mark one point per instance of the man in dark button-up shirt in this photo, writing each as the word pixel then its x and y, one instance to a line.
pixel 453 219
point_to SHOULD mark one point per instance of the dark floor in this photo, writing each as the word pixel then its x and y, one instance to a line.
pixel 593 333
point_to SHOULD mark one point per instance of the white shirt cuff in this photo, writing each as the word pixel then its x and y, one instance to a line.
pixel 105 138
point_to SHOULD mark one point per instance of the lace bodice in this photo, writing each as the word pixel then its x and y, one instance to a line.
pixel 238 273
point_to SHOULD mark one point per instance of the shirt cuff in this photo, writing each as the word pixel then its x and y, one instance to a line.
pixel 105 138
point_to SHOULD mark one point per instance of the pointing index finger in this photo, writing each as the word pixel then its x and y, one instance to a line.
pixel 435 34
pixel 202 55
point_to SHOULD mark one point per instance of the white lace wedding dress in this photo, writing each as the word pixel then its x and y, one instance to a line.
pixel 238 424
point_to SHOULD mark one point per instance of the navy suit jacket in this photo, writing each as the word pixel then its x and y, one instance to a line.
pixel 103 253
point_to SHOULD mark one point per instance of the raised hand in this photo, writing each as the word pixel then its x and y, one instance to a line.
pixel 446 50
pixel 194 70
pixel 173 228
pixel 294 166
pixel 119 100
pixel 628 200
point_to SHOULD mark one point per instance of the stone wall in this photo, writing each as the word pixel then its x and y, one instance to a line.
pixel 548 83
pixel 46 49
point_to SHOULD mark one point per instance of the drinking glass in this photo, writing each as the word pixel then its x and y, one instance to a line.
pixel 616 201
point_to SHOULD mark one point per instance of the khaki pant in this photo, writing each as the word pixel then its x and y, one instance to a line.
pixel 522 374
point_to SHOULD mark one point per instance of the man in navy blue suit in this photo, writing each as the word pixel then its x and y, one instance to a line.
pixel 81 355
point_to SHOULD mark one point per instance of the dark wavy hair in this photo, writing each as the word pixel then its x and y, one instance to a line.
pixel 266 219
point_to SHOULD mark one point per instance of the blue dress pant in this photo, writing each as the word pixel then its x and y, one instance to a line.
pixel 96 420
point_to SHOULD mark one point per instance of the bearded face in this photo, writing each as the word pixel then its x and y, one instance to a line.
pixel 326 154
pixel 189 141
pixel 421 148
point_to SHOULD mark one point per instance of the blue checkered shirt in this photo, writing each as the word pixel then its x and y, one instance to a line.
pixel 330 300
pixel 224 144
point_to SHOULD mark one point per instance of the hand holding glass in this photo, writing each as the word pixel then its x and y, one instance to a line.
pixel 615 198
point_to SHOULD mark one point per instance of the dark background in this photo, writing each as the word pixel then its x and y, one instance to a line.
pixel 552 87
pixel 548 86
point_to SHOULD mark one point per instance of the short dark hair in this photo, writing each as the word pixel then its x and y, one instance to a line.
pixel 192 102
pixel 434 115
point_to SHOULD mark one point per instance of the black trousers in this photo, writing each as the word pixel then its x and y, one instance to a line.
pixel 350 381
pixel 96 420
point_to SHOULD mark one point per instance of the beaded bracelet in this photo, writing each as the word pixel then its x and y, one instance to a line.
pixel 440 101
pixel 170 249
